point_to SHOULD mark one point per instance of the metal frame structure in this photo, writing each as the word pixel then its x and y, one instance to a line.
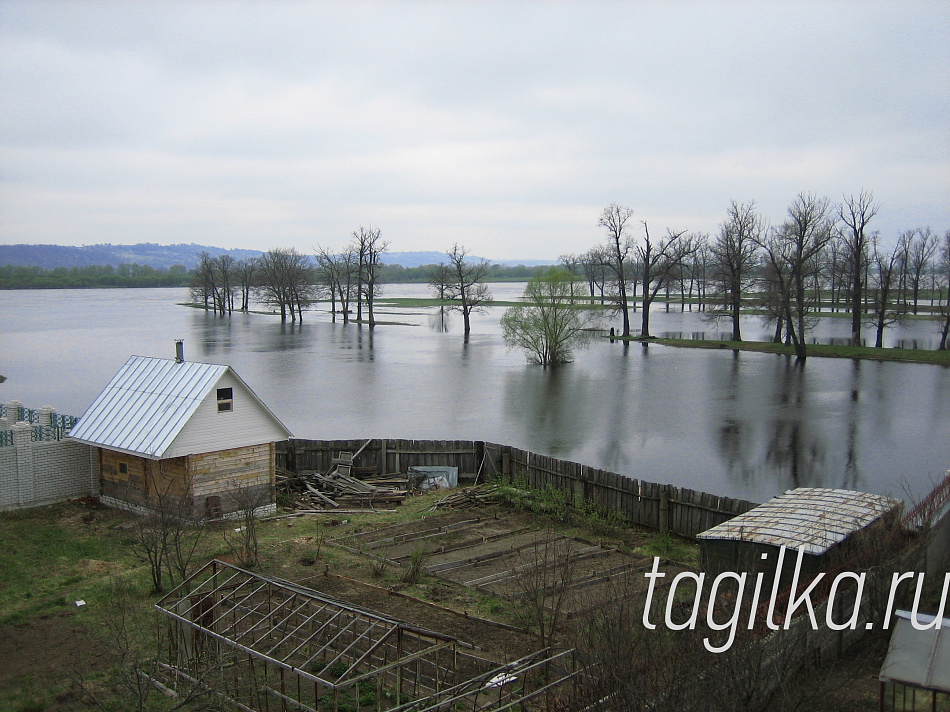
pixel 264 644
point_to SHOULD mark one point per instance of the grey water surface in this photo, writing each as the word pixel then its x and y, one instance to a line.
pixel 738 424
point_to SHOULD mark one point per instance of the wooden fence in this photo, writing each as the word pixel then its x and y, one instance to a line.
pixel 679 510
pixel 387 455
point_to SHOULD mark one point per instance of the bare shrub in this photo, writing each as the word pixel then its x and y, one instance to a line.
pixel 631 667
pixel 541 587
pixel 417 565
pixel 133 642
pixel 246 500
pixel 170 532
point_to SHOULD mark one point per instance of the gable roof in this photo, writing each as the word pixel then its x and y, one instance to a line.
pixel 147 403
pixel 810 518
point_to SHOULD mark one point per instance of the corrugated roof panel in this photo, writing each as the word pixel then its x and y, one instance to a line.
pixel 920 658
pixel 810 518
pixel 146 404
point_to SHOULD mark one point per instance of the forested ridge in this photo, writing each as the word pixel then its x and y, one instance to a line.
pixel 93 277
pixel 137 275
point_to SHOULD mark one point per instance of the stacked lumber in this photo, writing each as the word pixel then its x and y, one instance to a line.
pixel 469 497
pixel 317 490
pixel 395 481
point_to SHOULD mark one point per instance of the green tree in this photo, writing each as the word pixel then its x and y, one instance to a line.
pixel 547 327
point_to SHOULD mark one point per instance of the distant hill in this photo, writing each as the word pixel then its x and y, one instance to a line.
pixel 145 253
pixel 412 259
pixel 418 259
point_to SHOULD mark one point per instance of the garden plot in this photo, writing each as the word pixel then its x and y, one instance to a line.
pixel 433 535
pixel 509 557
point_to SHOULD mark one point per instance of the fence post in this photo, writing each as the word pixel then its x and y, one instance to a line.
pixel 665 509
pixel 13 411
pixel 46 416
pixel 22 443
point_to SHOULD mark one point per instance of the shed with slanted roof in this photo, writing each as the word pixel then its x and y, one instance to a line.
pixel 916 670
pixel 192 431
pixel 820 522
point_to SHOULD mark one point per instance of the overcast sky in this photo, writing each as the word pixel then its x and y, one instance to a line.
pixel 505 126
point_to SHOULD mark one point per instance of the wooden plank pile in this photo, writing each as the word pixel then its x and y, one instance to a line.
pixel 469 497
pixel 319 490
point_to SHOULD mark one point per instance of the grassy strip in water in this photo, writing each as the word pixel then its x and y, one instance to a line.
pixel 427 302
pixel 939 358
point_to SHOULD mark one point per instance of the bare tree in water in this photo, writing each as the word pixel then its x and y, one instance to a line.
pixel 465 288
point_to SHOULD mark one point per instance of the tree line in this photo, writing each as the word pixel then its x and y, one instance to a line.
pixel 136 275
pixel 92 276
pixel 821 257
pixel 349 279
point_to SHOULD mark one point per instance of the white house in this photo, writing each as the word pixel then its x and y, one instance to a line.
pixel 170 426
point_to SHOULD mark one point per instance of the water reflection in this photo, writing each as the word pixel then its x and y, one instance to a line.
pixel 439 320
pixel 852 472
pixel 735 436
pixel 616 405
pixel 552 404
pixel 795 450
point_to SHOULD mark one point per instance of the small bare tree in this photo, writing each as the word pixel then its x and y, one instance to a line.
pixel 132 642
pixel 205 283
pixel 735 259
pixel 921 249
pixel 855 212
pixel 368 247
pixel 883 308
pixel 440 277
pixel 658 263
pixel 285 281
pixel 792 256
pixel 246 271
pixel 616 255
pixel 594 265
pixel 942 313
pixel 466 288
pixel 542 587
pixel 246 500
pixel 170 532
pixel 149 544
pixel 337 271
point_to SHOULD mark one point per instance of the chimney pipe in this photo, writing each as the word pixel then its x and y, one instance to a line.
pixel 179 350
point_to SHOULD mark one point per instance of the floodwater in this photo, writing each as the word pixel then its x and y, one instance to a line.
pixel 742 425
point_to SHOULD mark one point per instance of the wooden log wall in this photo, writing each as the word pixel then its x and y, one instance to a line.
pixel 679 510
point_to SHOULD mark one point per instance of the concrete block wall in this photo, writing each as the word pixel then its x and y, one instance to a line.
pixel 42 472
pixel 64 469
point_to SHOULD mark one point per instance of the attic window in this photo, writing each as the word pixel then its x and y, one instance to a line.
pixel 225 400
pixel 123 468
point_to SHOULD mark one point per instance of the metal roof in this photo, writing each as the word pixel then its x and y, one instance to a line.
pixel 146 404
pixel 809 518
pixel 920 658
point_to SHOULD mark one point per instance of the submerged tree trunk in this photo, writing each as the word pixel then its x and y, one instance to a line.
pixel 944 330
pixel 736 306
